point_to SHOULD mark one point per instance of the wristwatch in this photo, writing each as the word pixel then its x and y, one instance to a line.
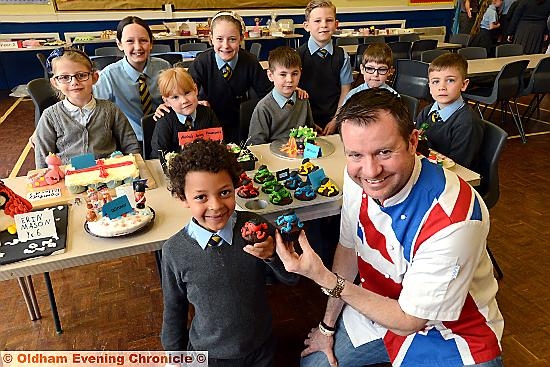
pixel 337 290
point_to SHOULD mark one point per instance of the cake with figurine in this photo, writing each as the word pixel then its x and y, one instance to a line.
pixel 136 217
pixel 297 139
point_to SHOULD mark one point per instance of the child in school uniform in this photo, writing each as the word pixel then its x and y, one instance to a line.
pixel 376 67
pixel 488 28
pixel 225 73
pixel 450 126
pixel 208 264
pixel 281 110
pixel 326 69
pixel 179 92
pixel 131 83
pixel 79 123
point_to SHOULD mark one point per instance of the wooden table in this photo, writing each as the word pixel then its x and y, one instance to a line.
pixel 82 248
pixel 493 65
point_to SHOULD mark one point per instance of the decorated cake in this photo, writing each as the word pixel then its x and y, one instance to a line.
pixel 293 181
pixel 289 226
pixel 297 138
pixel 280 196
pixel 269 186
pixel 247 190
pixel 305 192
pixel 263 174
pixel 307 167
pixel 254 231
pixel 110 171
pixel 328 188
pixel 120 223
pixel 48 176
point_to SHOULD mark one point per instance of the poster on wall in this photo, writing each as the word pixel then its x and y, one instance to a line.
pixel 421 2
pixel 22 2
pixel 179 5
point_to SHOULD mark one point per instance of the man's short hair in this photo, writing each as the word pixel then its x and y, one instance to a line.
pixel 314 4
pixel 450 60
pixel 364 108
pixel 285 57
pixel 379 53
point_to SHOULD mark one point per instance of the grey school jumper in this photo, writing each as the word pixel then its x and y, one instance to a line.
pixel 270 122
pixel 227 287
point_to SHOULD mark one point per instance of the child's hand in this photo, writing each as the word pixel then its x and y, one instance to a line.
pixel 302 94
pixel 330 128
pixel 204 103
pixel 263 250
pixel 161 109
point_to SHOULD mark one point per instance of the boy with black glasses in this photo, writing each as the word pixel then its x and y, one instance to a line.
pixel 377 67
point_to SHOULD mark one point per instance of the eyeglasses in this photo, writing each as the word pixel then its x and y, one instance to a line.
pixel 380 71
pixel 66 79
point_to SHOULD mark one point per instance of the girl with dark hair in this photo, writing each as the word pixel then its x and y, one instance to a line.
pixel 528 25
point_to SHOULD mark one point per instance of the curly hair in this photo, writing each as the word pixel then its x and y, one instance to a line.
pixel 201 156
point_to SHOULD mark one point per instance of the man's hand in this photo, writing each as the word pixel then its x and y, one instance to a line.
pixel 330 128
pixel 161 109
pixel 308 263
pixel 263 250
pixel 302 94
pixel 317 342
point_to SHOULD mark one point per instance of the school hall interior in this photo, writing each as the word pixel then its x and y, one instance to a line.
pixel 117 304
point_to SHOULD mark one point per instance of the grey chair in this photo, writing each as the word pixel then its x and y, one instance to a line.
pixel 255 49
pixel 429 55
pixel 460 38
pixel 473 52
pixel 411 78
pixel 147 126
pixel 539 85
pixel 42 59
pixel 245 114
pixel 409 37
pixel 400 50
pixel 492 144
pixel 412 105
pixel 508 49
pixel 506 88
pixel 43 96
pixel 420 46
pixel 159 48
pixel 100 62
pixel 197 46
pixel 108 51
pixel 172 57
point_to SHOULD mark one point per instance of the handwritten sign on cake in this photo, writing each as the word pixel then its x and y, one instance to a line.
pixel 117 207
pixel 35 225
pixel 312 151
pixel 213 133
pixel 316 177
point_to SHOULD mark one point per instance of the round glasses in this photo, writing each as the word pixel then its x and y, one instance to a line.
pixel 66 79
pixel 380 71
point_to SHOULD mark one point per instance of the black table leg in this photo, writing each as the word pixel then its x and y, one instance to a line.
pixel 158 259
pixel 53 305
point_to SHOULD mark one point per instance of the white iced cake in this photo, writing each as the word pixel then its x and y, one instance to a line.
pixel 110 171
pixel 128 223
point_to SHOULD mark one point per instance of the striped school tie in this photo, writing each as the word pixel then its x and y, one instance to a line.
pixel 226 71
pixel 323 53
pixel 215 240
pixel 435 117
pixel 145 96
pixel 188 123
pixel 288 104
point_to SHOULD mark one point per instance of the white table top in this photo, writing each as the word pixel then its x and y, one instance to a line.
pixel 83 248
pixel 352 49
pixel 493 65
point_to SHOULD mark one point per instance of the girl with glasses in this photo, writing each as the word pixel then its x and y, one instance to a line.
pixel 79 123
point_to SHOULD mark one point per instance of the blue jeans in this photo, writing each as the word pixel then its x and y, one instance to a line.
pixel 370 353
pixel 346 354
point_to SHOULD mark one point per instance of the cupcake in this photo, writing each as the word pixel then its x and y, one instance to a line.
pixel 305 192
pixel 263 174
pixel 293 181
pixel 307 167
pixel 328 188
pixel 280 196
pixel 247 190
pixel 289 226
pixel 254 231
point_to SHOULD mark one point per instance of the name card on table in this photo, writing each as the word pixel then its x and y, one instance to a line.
pixel 35 225
pixel 5 45
pixel 213 133
pixel 117 207
pixel 316 177
pixel 44 194
pixel 312 151
pixel 83 161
